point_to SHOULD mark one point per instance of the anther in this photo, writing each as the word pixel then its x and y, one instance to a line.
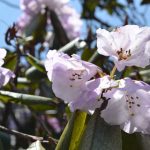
pixel 138 105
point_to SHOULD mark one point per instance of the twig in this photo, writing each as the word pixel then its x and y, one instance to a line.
pixel 17 68
pixel 23 135
pixel 101 22
pixel 70 45
pixel 40 121
pixel 43 125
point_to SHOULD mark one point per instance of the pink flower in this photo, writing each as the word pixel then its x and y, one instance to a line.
pixel 70 20
pixel 31 7
pixel 127 45
pixel 129 106
pixel 2 55
pixel 5 74
pixel 67 15
pixel 68 74
pixel 90 98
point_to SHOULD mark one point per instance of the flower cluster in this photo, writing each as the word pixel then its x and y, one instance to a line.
pixel 84 86
pixel 67 15
pixel 5 74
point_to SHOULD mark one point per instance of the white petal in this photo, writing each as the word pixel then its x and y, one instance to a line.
pixel 2 53
pixel 5 76
pixel 116 112
pixel 104 42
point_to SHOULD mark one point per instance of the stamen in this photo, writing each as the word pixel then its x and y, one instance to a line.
pixel 72 79
pixel 123 55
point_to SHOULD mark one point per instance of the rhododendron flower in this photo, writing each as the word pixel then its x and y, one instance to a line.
pixel 2 55
pixel 5 74
pixel 68 74
pixel 126 45
pixel 31 6
pixel 90 98
pixel 67 15
pixel 70 20
pixel 129 106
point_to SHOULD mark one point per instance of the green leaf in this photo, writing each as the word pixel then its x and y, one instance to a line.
pixel 37 28
pixel 78 129
pixel 27 99
pixel 70 137
pixel 135 141
pixel 46 89
pixel 35 62
pixel 100 136
pixel 145 141
pixel 145 74
pixel 10 61
pixel 59 30
pixel 23 83
pixel 1 146
pixel 93 57
pixel 35 75
pixel 89 8
pixel 97 59
pixel 86 55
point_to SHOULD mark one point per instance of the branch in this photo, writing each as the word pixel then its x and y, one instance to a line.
pixel 43 125
pixel 22 135
pixel 101 22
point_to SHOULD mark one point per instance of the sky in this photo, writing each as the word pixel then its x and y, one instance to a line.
pixel 8 15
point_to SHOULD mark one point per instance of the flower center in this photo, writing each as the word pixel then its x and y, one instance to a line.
pixel 123 55
pixel 132 103
pixel 76 77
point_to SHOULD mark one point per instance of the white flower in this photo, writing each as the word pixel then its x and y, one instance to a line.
pixel 68 16
pixel 70 20
pixel 2 55
pixel 129 106
pixel 54 4
pixel 5 74
pixel 127 45
pixel 90 98
pixel 68 74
